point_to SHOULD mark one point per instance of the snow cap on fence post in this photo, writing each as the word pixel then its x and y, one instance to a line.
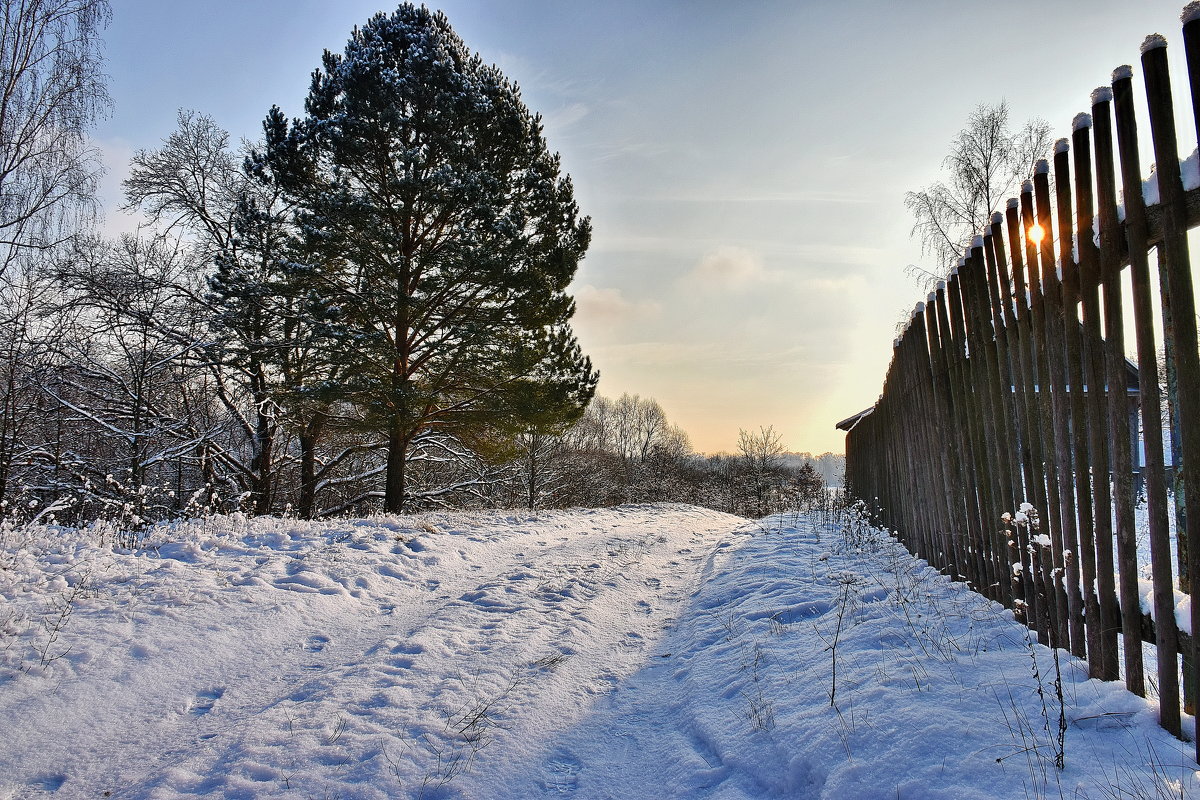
pixel 1082 121
pixel 997 217
pixel 1153 42
pixel 1061 146
pixel 1190 13
pixel 1122 73
pixel 1042 167
pixel 1102 94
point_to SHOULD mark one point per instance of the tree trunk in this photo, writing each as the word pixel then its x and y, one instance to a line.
pixel 261 468
pixel 394 492
pixel 533 473
pixel 309 436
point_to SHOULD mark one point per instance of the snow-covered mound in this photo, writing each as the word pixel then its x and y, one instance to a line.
pixel 636 652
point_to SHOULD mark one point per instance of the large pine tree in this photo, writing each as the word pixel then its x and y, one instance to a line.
pixel 443 236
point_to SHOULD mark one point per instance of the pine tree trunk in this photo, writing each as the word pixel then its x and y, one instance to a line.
pixel 308 465
pixel 398 439
pixel 533 473
pixel 260 464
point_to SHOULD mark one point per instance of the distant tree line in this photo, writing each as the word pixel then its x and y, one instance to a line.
pixel 626 451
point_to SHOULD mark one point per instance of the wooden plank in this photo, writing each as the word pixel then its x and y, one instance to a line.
pixel 1155 483
pixel 1025 385
pixel 1178 280
pixel 1114 368
pixel 1056 611
pixel 1094 403
pixel 1054 385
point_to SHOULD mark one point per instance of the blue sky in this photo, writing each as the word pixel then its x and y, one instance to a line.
pixel 744 164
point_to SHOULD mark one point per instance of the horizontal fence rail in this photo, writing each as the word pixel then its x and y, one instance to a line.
pixel 1004 446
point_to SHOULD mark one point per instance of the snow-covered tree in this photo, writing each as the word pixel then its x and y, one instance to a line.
pixel 123 379
pixel 262 351
pixel 442 234
pixel 762 457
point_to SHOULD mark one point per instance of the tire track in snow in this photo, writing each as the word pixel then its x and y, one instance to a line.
pixel 562 606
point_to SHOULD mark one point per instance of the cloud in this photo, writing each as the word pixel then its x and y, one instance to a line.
pixel 597 306
pixel 729 268
pixel 562 118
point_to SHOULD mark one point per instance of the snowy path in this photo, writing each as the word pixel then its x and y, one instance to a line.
pixel 637 652
pixel 392 649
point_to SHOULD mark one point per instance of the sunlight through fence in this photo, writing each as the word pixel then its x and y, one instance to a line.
pixel 1005 443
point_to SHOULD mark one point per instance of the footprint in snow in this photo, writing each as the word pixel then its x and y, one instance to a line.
pixel 48 783
pixel 204 701
pixel 562 774
pixel 315 643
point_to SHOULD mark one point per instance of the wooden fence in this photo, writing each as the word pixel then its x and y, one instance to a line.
pixel 1010 393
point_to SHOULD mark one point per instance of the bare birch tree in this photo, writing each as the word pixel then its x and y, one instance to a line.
pixel 986 165
pixel 51 91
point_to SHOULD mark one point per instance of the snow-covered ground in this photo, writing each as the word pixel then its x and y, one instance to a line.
pixel 635 652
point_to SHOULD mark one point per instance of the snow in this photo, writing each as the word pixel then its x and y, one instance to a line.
pixel 1153 42
pixel 1061 146
pixel 1190 12
pixel 1189 168
pixel 1082 121
pixel 1042 167
pixel 1102 94
pixel 1122 73
pixel 1182 602
pixel 1150 195
pixel 634 652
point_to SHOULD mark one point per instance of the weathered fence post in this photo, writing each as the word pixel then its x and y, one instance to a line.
pixel 1055 599
pixel 1178 278
pixel 1064 539
pixel 1026 351
pixel 1115 378
pixel 1137 236
pixel 1093 403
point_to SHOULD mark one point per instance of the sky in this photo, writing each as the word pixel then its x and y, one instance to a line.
pixel 744 164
